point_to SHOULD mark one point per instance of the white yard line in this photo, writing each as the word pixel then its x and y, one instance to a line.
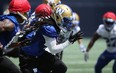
pixel 86 69
pixel 80 62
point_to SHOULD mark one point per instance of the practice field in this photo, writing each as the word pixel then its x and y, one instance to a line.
pixel 73 58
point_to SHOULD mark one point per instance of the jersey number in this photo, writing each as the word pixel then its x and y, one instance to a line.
pixel 111 42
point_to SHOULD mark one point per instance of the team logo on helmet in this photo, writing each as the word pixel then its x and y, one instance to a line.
pixel 62 16
pixel 59 11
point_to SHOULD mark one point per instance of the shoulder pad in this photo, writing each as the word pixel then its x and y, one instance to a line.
pixel 49 31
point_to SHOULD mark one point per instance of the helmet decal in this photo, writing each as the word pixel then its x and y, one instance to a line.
pixel 59 11
pixel 62 15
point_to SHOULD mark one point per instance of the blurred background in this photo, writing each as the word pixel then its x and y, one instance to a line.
pixel 90 11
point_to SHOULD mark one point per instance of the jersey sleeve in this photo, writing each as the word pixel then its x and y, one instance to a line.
pixel 11 18
pixel 76 30
pixel 49 31
pixel 100 29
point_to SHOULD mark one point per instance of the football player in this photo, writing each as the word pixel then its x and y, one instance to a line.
pixel 34 57
pixel 74 27
pixel 9 26
pixel 107 30
pixel 77 29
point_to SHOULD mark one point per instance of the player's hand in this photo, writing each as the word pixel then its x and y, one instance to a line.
pixel 1 49
pixel 86 56
pixel 72 38
pixel 75 37
pixel 1 46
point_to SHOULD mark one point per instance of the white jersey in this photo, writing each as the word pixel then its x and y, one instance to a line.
pixel 65 36
pixel 109 36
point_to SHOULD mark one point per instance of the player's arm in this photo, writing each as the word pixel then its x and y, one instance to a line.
pixel 54 48
pixel 92 41
pixel 78 35
pixel 79 41
pixel 21 39
pixel 6 25
pixel 17 42
pixel 90 45
pixel 81 45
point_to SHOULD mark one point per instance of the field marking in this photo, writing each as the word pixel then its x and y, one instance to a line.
pixel 87 69
pixel 80 62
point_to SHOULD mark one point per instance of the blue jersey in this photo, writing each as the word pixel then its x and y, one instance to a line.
pixel 6 36
pixel 37 46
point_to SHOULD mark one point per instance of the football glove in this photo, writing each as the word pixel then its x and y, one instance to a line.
pixel 75 37
pixel 86 56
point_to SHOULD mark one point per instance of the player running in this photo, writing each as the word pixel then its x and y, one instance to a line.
pixel 107 30
pixel 9 26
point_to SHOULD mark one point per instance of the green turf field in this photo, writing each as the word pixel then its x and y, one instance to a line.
pixel 73 58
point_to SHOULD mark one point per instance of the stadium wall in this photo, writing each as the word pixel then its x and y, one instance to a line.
pixel 90 11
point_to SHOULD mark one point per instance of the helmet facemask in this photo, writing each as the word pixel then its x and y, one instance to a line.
pixel 66 24
pixel 108 23
pixel 24 17
pixel 40 18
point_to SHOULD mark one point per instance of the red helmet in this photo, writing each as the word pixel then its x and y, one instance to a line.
pixel 19 6
pixel 110 15
pixel 43 10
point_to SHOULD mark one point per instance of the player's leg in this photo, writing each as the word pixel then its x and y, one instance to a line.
pixel 28 64
pixel 114 65
pixel 102 61
pixel 59 66
pixel 7 66
pixel 60 55
pixel 49 63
